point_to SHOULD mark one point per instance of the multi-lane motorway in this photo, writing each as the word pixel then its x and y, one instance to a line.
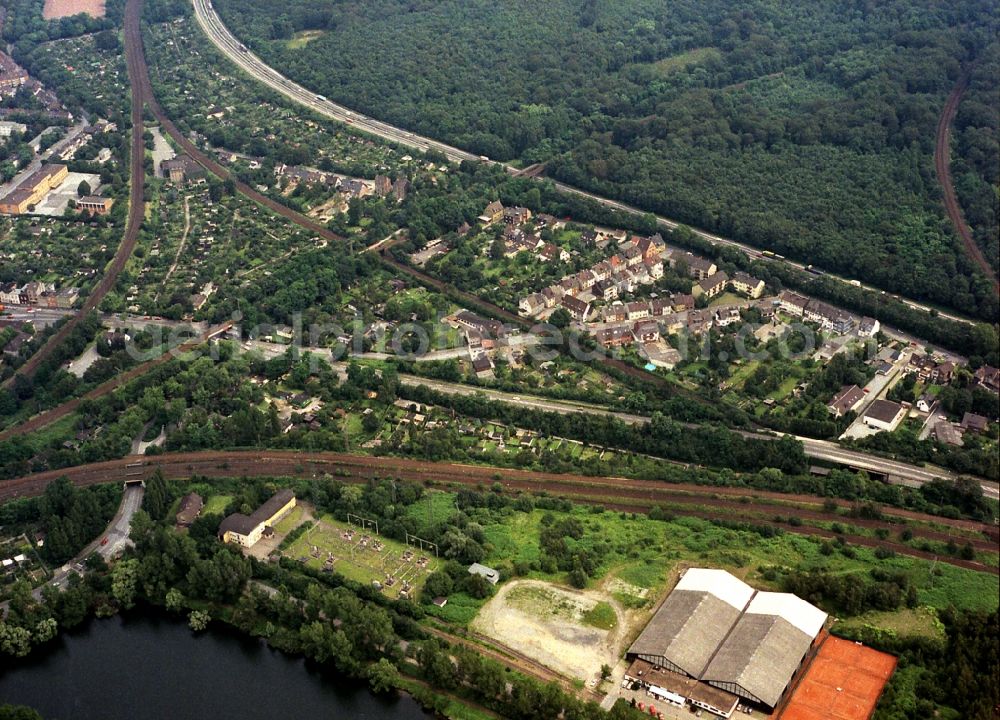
pixel 232 48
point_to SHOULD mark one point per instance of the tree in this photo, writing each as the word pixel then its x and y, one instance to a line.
pixel 174 600
pixel 198 620
pixel 14 640
pixel 154 500
pixel 382 676
pixel 83 188
pixel 124 576
pixel 18 712
pixel 560 318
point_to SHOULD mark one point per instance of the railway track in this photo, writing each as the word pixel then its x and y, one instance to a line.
pixel 619 494
pixel 60 411
pixel 942 164
pixel 136 212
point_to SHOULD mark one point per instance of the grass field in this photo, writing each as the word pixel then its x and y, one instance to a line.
pixel 290 521
pixel 695 56
pixel 216 504
pixel 363 556
pixel 301 39
pixel 602 616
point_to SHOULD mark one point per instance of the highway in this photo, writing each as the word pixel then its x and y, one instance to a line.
pixel 233 49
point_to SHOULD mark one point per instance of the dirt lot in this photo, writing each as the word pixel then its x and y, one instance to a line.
pixel 55 9
pixel 547 623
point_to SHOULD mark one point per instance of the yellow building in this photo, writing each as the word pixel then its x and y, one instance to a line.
pixel 33 189
pixel 247 530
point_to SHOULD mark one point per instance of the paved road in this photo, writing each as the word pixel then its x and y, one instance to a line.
pixel 109 545
pixel 901 473
pixel 227 43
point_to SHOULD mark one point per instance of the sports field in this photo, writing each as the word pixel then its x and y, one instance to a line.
pixel 364 556
pixel 843 682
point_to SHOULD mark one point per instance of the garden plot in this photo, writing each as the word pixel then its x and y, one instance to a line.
pixel 365 557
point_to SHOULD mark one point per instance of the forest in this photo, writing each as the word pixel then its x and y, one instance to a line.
pixel 807 129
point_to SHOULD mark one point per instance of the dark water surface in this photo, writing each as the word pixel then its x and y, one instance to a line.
pixel 145 667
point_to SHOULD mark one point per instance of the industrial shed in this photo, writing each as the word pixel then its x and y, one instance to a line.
pixel 693 621
pixel 720 631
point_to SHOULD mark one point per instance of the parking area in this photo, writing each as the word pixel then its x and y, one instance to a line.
pixel 54 204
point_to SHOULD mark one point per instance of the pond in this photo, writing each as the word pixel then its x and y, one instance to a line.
pixel 149 666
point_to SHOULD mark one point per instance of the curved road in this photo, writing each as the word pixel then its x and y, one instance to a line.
pixel 233 49
pixel 942 163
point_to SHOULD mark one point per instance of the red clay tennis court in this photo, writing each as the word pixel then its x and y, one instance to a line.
pixel 843 682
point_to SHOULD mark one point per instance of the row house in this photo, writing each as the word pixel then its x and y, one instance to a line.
pixel 615 313
pixel 615 336
pixel 829 317
pixel 516 215
pixel 793 303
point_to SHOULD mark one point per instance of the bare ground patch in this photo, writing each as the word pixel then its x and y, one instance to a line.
pixel 548 623
pixel 55 9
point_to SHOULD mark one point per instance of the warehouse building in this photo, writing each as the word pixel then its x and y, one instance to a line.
pixel 719 631
pixel 33 189
pixel 246 530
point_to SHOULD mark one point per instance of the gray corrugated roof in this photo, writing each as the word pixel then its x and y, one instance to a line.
pixel 687 629
pixel 760 655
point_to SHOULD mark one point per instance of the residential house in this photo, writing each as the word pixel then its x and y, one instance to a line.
pixel 868 327
pixel 578 309
pixel 637 310
pixel 698 267
pixel 845 401
pixel 727 316
pixel 532 304
pixel 516 215
pixel 988 377
pixel 925 402
pixel 747 285
pixel 605 290
pixel 615 336
pixel 711 286
pixel 942 374
pixel 971 422
pixel 471 321
pixel 482 366
pixel 492 213
pixel 698 321
pixel 793 303
pixel 646 331
pixel 884 415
